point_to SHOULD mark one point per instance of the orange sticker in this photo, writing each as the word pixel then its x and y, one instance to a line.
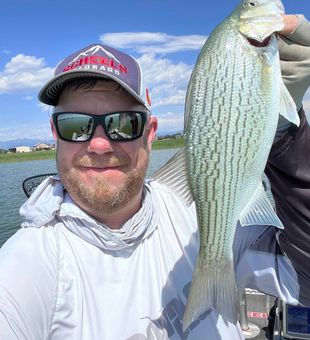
pixel 148 98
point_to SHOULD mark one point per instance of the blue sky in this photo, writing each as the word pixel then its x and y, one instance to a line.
pixel 165 35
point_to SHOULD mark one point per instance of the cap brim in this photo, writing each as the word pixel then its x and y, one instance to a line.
pixel 51 91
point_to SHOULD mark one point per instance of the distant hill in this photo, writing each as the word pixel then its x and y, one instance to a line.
pixel 31 142
pixel 169 133
pixel 22 142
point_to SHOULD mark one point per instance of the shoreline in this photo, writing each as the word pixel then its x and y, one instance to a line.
pixel 170 143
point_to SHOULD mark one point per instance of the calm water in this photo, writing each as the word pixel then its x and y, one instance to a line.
pixel 12 195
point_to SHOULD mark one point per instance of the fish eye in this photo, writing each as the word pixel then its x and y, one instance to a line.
pixel 250 4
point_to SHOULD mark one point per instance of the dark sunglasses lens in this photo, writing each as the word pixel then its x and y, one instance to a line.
pixel 124 125
pixel 75 127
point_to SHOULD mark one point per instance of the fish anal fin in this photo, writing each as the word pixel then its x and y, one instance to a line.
pixel 259 211
pixel 287 105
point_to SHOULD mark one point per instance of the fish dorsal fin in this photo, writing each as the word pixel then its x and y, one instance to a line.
pixel 174 175
pixel 259 211
pixel 287 105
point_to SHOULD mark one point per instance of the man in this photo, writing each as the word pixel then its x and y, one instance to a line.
pixel 102 254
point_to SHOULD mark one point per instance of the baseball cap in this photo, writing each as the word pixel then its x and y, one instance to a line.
pixel 97 61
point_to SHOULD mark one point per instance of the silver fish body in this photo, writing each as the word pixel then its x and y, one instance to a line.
pixel 232 108
pixel 230 128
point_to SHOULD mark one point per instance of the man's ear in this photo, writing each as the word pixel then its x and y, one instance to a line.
pixel 54 132
pixel 152 125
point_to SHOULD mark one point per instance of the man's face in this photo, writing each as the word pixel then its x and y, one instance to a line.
pixel 104 178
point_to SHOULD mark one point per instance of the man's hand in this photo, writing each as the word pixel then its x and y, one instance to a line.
pixel 294 48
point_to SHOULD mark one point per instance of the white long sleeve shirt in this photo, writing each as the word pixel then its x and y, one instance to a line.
pixel 65 276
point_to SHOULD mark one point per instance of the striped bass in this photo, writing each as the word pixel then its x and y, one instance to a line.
pixel 233 102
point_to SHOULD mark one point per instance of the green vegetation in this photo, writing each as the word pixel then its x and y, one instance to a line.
pixel 27 156
pixel 167 143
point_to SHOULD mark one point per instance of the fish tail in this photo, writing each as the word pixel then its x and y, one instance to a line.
pixel 213 286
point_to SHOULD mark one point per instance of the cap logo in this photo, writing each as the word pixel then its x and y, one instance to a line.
pixel 94 50
pixel 96 58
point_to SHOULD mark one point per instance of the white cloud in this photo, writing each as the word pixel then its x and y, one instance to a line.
pixel 27 98
pixel 160 70
pixel 150 42
pixel 23 73
pixel 167 80
pixel 28 131
pixel 6 51
pixel 23 63
pixel 170 121
pixel 175 98
pixel 43 107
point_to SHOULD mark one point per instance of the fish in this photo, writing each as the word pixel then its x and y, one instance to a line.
pixel 233 100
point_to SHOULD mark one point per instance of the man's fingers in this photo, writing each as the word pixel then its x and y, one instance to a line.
pixel 291 22
pixel 300 35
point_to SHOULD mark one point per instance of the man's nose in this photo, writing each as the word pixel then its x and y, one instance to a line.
pixel 100 143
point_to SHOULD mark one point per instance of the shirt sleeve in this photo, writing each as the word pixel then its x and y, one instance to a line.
pixel 28 285
pixel 294 53
pixel 288 170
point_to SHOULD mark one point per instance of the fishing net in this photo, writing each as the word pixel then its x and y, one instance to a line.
pixel 31 183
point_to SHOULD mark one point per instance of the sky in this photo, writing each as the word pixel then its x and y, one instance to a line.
pixel 164 35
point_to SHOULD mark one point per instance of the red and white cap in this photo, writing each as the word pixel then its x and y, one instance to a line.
pixel 97 61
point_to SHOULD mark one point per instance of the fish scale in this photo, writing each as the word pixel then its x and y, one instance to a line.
pixel 231 114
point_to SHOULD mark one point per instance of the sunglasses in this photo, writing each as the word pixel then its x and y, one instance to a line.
pixel 122 126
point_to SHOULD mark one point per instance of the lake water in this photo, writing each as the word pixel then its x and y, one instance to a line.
pixel 12 195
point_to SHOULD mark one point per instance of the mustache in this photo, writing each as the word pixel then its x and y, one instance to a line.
pixel 101 161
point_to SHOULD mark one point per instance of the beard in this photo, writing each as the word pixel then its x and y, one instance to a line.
pixel 100 197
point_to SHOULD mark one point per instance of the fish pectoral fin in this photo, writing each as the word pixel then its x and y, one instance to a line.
pixel 259 211
pixel 174 175
pixel 287 105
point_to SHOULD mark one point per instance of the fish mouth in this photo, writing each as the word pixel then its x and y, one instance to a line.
pixel 257 43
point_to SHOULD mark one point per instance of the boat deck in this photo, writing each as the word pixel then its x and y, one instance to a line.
pixel 254 314
pixel 285 321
